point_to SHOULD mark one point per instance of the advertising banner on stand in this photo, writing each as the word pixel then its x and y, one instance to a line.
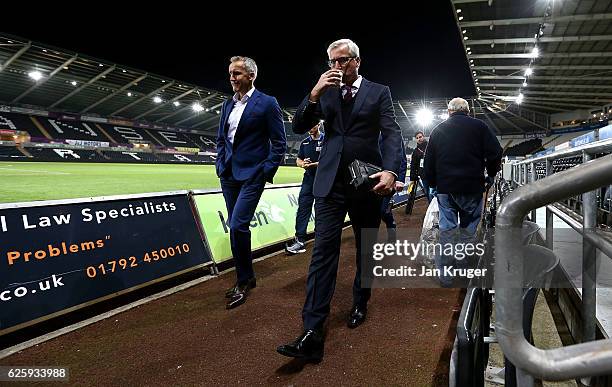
pixel 61 255
pixel 274 220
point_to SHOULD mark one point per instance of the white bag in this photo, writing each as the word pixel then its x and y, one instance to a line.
pixel 432 215
pixel 431 231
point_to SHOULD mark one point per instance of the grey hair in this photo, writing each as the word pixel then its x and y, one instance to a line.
pixel 249 64
pixel 458 105
pixel 353 48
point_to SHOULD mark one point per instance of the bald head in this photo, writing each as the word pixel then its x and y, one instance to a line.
pixel 458 105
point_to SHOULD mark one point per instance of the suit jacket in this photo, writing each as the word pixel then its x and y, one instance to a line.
pixel 401 176
pixel 259 141
pixel 358 138
pixel 403 166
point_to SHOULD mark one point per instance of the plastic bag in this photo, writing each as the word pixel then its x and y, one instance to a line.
pixel 431 232
pixel 432 216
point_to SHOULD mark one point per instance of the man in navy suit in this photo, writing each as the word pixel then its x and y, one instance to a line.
pixel 251 144
pixel 356 113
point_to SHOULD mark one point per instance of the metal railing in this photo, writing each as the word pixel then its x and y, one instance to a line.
pixel 580 360
pixel 584 217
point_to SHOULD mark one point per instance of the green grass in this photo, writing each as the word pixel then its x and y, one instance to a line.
pixel 25 181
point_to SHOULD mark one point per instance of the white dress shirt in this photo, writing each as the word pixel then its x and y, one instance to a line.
pixel 354 87
pixel 234 117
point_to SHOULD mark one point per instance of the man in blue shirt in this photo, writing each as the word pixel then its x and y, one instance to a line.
pixel 308 158
pixel 251 144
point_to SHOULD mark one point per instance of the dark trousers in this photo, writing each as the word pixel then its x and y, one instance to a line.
pixel 426 190
pixel 386 213
pixel 305 200
pixel 364 210
pixel 241 199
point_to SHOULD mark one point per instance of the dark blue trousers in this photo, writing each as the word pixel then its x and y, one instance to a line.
pixel 387 213
pixel 241 199
pixel 305 200
pixel 364 211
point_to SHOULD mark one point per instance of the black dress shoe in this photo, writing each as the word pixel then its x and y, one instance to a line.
pixel 309 346
pixel 230 292
pixel 357 316
pixel 240 294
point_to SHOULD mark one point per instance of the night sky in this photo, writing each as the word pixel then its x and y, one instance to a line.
pixel 417 52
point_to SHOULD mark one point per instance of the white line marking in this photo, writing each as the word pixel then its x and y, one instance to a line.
pixel 33 171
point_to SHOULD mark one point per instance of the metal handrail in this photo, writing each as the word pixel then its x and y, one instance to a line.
pixel 592 147
pixel 600 239
pixel 580 360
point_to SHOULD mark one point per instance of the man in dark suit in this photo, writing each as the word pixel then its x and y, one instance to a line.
pixel 356 113
pixel 251 144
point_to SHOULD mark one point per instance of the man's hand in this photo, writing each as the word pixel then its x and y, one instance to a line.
pixel 328 79
pixel 312 165
pixel 385 184
pixel 399 186
pixel 306 162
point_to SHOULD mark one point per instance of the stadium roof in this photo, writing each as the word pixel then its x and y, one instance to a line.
pixel 573 71
pixel 75 83
pixel 573 68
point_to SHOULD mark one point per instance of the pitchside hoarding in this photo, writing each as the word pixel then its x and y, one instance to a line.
pixel 274 220
pixel 59 255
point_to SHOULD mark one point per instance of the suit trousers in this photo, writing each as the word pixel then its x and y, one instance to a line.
pixel 386 212
pixel 305 200
pixel 241 199
pixel 330 211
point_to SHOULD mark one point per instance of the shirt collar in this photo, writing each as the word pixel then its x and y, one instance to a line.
pixel 246 97
pixel 356 85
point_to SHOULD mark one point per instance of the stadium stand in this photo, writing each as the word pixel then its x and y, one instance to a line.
pixel 12 121
pixel 93 142
pixel 126 135
pixel 182 158
pixel 57 154
pixel 10 153
pixel 205 143
pixel 524 148
pixel 70 130
pixel 560 139
pixel 129 157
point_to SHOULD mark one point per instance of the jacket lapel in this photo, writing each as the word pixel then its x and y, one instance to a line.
pixel 361 95
pixel 227 109
pixel 251 103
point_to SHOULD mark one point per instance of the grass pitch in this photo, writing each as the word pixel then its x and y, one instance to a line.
pixel 27 181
